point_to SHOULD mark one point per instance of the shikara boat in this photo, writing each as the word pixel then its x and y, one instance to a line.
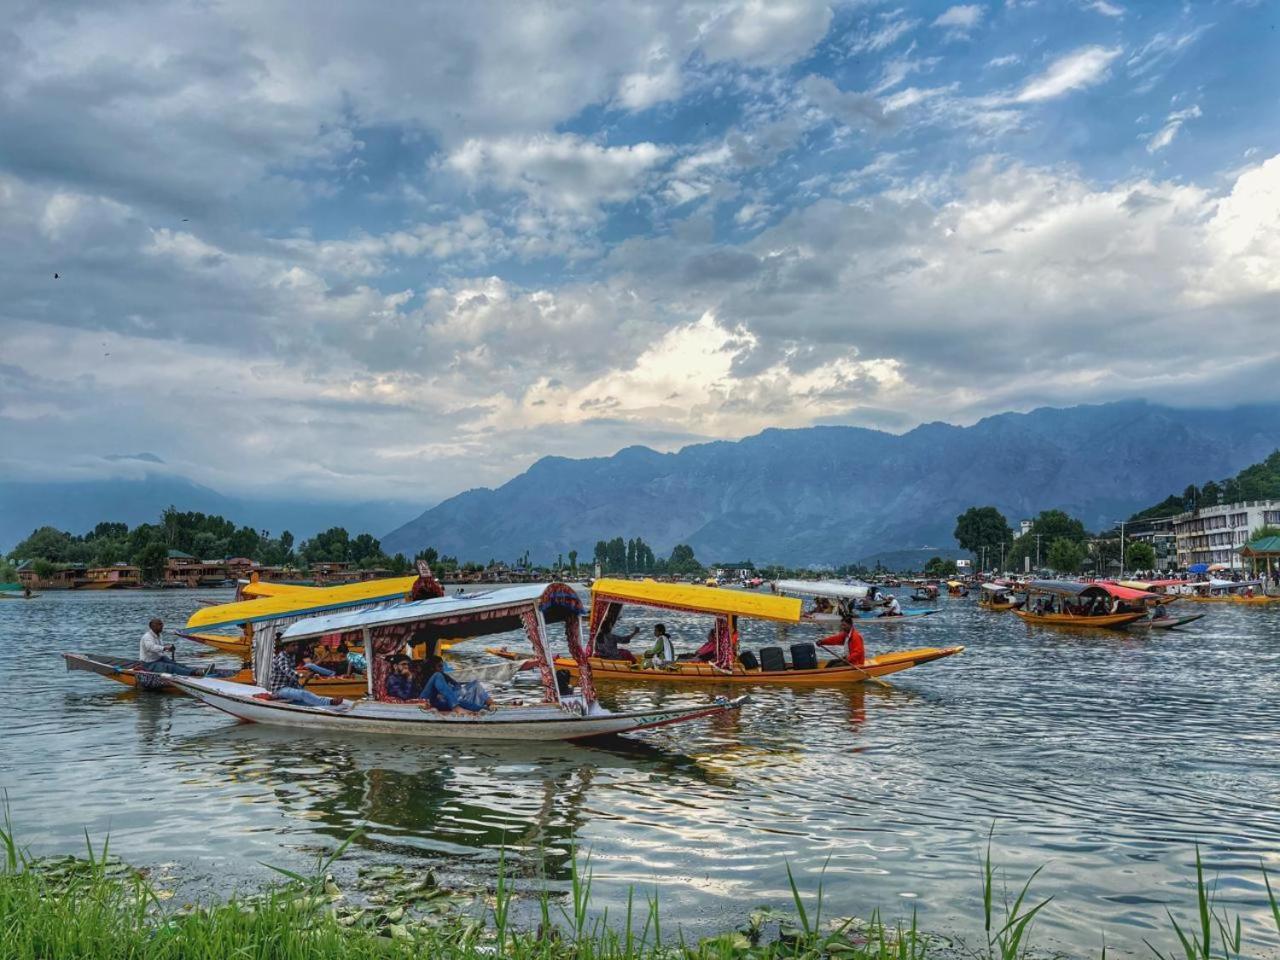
pixel 832 600
pixel 1068 603
pixel 768 665
pixel 1164 623
pixel 130 673
pixel 1230 591
pixel 956 589
pixel 997 597
pixel 385 631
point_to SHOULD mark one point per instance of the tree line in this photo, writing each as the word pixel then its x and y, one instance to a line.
pixel 635 556
pixel 1054 540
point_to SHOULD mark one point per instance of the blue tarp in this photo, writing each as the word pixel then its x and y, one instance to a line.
pixel 1198 568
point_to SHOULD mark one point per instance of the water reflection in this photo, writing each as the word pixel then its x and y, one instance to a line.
pixel 1102 757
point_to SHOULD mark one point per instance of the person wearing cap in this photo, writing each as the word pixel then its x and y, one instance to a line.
pixel 284 683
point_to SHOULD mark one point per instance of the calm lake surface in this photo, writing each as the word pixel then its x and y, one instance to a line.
pixel 1103 758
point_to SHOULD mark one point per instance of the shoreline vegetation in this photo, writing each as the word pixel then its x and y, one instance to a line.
pixel 97 906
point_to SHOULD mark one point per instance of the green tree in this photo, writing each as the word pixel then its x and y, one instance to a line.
pixel 1050 525
pixel 47 543
pixel 983 529
pixel 1139 556
pixel 573 560
pixel 938 567
pixel 398 565
pixel 1065 555
pixel 1210 494
pixel 43 569
pixel 332 546
pixel 1264 531
pixel 682 561
pixel 150 561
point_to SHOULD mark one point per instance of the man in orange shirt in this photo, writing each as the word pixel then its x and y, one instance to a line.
pixel 851 639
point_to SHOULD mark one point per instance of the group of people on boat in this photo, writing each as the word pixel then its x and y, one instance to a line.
pixel 440 691
pixel 662 653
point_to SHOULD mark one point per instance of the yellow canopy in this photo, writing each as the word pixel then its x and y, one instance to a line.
pixel 695 599
pixel 300 600
pixel 263 588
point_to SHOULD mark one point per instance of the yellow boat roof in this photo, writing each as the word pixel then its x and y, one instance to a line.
pixel 300 600
pixel 697 599
pixel 263 588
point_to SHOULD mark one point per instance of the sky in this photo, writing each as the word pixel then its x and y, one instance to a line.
pixel 399 250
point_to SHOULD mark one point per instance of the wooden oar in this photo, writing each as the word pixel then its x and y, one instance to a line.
pixel 865 675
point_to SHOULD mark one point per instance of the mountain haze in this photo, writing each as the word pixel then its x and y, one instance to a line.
pixel 838 494
pixel 77 505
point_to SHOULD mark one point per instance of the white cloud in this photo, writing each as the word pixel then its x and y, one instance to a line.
pixel 1077 70
pixel 882 32
pixel 766 32
pixel 563 172
pixel 1106 8
pixel 1008 60
pixel 962 18
pixel 1164 136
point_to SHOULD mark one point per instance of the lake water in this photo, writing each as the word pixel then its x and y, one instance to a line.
pixel 1103 758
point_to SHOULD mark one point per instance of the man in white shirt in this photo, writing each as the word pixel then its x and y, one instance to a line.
pixel 893 609
pixel 151 649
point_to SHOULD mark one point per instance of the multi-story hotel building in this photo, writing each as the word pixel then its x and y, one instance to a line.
pixel 1216 534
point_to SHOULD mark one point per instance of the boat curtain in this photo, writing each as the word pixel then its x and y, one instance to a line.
pixel 573 639
pixel 725 644
pixel 604 617
pixel 533 627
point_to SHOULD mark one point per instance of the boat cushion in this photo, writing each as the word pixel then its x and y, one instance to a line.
pixel 804 656
pixel 772 659
pixel 748 660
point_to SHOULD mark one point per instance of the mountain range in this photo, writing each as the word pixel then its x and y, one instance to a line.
pixel 836 494
pixel 77 505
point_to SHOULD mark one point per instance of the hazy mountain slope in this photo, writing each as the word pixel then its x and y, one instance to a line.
pixel 834 494
pixel 78 505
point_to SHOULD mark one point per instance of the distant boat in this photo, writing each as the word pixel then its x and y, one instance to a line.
pixel 1068 603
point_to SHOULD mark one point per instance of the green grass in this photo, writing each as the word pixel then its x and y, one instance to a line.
pixel 95 906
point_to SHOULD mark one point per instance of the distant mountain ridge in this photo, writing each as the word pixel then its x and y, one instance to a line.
pixel 838 494
pixel 77 505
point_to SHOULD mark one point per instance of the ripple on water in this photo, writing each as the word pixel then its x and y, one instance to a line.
pixel 1104 759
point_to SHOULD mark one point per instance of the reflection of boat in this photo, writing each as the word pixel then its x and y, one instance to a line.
pixel 997 597
pixel 385 631
pixel 728 665
pixel 1066 603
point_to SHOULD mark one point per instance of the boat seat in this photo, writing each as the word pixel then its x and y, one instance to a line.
pixel 804 656
pixel 772 659
pixel 748 660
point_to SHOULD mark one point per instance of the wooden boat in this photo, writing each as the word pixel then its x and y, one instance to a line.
pixel 1068 603
pixel 18 596
pixel 129 673
pixel 238 645
pixel 1164 623
pixel 1229 591
pixel 691 671
pixel 834 599
pixel 997 597
pixel 956 589
pixel 383 631
pixel 609 597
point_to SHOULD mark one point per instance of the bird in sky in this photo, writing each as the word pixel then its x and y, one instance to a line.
pixel 56 277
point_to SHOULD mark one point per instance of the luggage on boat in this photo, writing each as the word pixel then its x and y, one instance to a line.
pixel 804 656
pixel 772 659
pixel 748 660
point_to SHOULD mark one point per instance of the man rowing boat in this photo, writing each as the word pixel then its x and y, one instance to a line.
pixel 850 639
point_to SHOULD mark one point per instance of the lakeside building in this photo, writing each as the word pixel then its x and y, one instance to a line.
pixel 1159 534
pixel 117 576
pixel 65 577
pixel 1215 534
pixel 184 570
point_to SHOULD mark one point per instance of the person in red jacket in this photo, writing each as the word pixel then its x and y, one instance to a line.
pixel 851 639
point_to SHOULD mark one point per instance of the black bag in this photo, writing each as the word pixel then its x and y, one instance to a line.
pixel 804 656
pixel 748 660
pixel 772 659
pixel 564 681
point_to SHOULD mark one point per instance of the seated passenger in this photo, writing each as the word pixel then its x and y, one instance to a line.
pixel 448 695
pixel 707 652
pixel 608 645
pixel 400 683
pixel 663 651
pixel 893 608
pixel 284 684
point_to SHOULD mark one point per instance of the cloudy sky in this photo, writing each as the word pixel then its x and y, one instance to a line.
pixel 401 249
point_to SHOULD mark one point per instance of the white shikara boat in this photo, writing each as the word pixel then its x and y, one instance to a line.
pixel 840 597
pixel 384 632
